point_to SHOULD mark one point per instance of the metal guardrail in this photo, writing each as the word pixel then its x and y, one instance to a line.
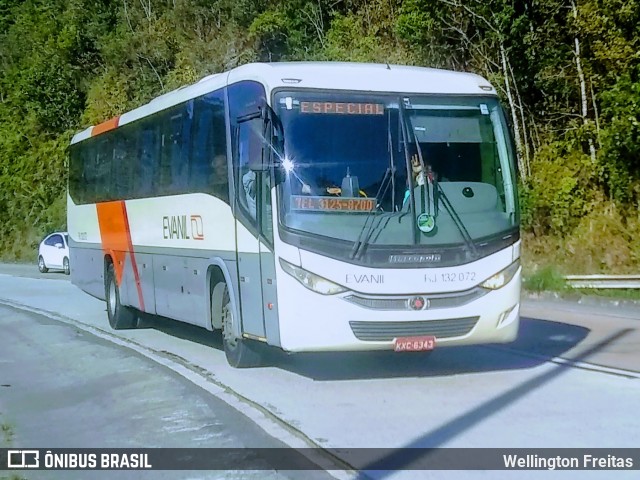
pixel 603 281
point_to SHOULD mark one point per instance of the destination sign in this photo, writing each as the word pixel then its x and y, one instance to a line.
pixel 332 204
pixel 342 108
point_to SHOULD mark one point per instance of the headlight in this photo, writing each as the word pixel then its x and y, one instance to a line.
pixel 500 279
pixel 313 282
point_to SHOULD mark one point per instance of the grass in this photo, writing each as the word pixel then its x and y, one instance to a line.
pixel 545 279
pixel 549 279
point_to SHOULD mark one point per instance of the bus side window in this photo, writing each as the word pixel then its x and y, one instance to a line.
pixel 77 184
pixel 88 159
pixel 180 159
pixel 208 170
pixel 103 161
pixel 249 153
pixel 173 150
pixel 148 165
pixel 246 98
pixel 122 171
pixel 201 167
pixel 220 175
pixel 174 168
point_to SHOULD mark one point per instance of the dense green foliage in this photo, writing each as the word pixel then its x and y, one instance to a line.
pixel 568 73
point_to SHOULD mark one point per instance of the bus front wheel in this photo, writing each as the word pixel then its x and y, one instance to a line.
pixel 239 352
pixel 120 317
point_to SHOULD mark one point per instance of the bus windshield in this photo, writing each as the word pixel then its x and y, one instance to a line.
pixel 371 175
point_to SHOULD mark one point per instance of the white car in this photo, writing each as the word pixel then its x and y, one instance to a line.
pixel 54 253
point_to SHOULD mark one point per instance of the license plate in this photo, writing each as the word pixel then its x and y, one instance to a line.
pixel 414 344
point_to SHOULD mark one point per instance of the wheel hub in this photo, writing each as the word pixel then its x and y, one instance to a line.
pixel 112 297
pixel 227 326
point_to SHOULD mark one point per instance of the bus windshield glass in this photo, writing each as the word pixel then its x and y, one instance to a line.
pixel 370 174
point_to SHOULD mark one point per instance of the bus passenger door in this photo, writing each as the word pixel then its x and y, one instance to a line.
pixel 247 155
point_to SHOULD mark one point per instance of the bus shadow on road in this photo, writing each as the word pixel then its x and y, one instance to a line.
pixel 537 342
pixel 182 330
pixel 421 452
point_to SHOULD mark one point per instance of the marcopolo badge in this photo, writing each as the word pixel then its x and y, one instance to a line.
pixel 426 223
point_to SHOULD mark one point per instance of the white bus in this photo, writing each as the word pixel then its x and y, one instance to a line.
pixel 307 206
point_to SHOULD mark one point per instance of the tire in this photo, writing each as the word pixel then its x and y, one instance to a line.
pixel 41 265
pixel 240 353
pixel 120 317
pixel 65 266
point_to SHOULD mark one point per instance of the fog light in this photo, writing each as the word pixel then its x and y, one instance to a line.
pixel 504 315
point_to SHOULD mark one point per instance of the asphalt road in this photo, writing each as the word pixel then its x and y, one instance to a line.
pixel 63 387
pixel 27 270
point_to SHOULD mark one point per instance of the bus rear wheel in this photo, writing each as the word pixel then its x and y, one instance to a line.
pixel 240 353
pixel 120 317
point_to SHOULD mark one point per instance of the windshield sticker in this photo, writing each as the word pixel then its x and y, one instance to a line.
pixel 332 204
pixel 342 108
pixel 426 223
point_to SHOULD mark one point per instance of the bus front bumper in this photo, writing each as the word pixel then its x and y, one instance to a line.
pixel 310 322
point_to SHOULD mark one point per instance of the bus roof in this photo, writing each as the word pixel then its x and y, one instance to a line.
pixel 365 77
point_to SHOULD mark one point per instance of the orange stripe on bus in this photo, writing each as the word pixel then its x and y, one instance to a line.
pixel 134 264
pixel 113 232
pixel 116 240
pixel 105 126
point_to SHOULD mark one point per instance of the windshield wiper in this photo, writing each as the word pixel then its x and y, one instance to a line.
pixel 434 192
pixel 393 165
pixel 407 161
pixel 468 240
pixel 429 203
pixel 368 228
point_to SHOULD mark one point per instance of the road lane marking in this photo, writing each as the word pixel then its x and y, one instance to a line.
pixel 593 367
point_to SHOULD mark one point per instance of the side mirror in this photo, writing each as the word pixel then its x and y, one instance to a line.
pixel 273 148
pixel 59 245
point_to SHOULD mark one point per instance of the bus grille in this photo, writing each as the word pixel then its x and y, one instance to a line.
pixel 451 300
pixel 387 331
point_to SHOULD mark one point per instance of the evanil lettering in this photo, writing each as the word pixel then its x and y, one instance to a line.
pixel 175 227
pixel 363 278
